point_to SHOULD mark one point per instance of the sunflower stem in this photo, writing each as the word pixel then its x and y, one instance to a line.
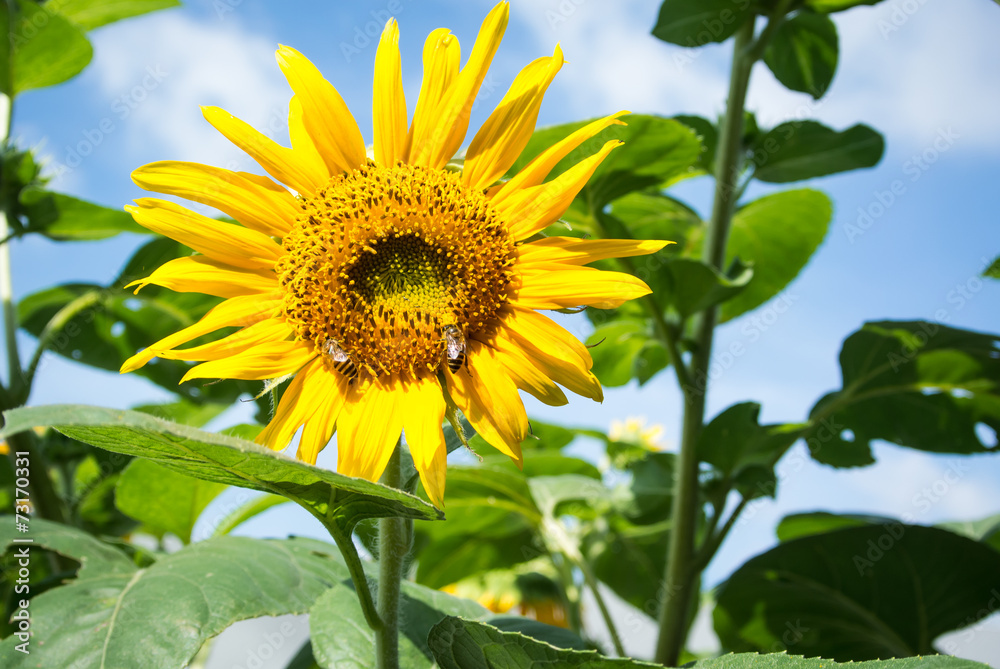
pixel 681 574
pixel 393 548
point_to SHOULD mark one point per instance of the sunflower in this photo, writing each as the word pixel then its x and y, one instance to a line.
pixel 393 287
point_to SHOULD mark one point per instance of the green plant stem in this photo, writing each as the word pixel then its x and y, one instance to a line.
pixel 680 577
pixel 393 547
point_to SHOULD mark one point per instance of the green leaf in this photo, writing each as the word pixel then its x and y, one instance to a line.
pixel 803 53
pixel 614 349
pixel 986 530
pixel 90 14
pixel 162 499
pixel 858 593
pixel 689 286
pixel 491 524
pixel 96 558
pixel 656 152
pixel 46 48
pixel 104 620
pixel 63 217
pixel 916 384
pixel 551 491
pixel 735 442
pixel 709 136
pixel 652 215
pixel 331 497
pixel 801 150
pixel 777 235
pixel 993 271
pixel 186 411
pixel 104 326
pixel 800 525
pixel 466 644
pixel 830 6
pixel 693 23
pixel 784 661
pixel 341 639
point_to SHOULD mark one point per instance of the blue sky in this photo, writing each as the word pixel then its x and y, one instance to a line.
pixel 920 71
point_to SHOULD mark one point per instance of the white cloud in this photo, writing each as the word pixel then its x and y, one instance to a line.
pixel 156 77
pixel 908 67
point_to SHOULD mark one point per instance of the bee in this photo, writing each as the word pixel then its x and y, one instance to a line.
pixel 342 361
pixel 455 341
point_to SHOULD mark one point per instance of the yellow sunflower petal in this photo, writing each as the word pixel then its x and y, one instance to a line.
pixel 442 54
pixel 298 403
pixel 581 286
pixel 389 103
pixel 280 162
pixel 531 209
pixel 328 120
pixel 573 251
pixel 526 374
pixel 264 361
pixel 555 351
pixel 268 210
pixel 423 410
pixel 302 142
pixel 451 117
pixel 535 172
pixel 198 274
pixel 272 329
pixel 323 423
pixel 489 399
pixel 506 132
pixel 369 428
pixel 240 311
pixel 225 242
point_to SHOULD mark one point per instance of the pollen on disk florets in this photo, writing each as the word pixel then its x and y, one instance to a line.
pixel 383 259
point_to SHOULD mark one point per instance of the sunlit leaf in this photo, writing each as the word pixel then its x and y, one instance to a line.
pixel 64 217
pixel 90 14
pixel 331 497
pixel 46 49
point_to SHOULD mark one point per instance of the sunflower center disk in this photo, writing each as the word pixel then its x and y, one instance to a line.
pixel 384 259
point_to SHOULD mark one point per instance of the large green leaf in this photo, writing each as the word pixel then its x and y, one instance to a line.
pixel 96 558
pixel 652 215
pixel 784 661
pixel 694 23
pixel 858 593
pixel 803 53
pixel 107 619
pixel 800 150
pixel 90 14
pixel 333 498
pixel 615 347
pixel 46 49
pixel 469 644
pixel 656 151
pixel 164 500
pixel 777 235
pixel 913 383
pixel 64 217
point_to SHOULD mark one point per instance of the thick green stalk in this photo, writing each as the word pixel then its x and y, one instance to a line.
pixel 681 572
pixel 393 547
